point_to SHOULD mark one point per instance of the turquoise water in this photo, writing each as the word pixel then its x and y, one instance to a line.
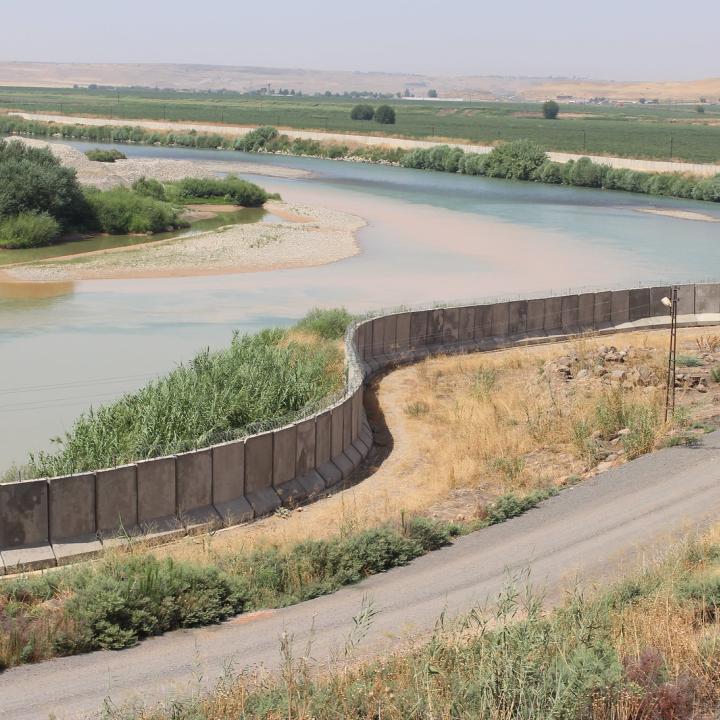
pixel 430 236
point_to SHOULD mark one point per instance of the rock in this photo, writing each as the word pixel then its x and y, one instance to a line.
pixel 612 457
pixel 596 435
pixel 564 360
pixel 599 371
pixel 603 466
pixel 618 375
pixel 582 374
pixel 701 388
pixel 624 432
pixel 646 375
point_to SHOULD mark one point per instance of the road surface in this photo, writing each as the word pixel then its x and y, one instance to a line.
pixel 594 529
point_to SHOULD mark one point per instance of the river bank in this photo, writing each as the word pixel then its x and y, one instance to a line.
pixel 305 237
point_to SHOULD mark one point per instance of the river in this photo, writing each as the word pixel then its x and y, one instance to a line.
pixel 429 237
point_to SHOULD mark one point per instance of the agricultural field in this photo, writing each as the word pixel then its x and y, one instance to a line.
pixel 662 132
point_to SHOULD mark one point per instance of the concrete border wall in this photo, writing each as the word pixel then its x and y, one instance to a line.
pixel 57 520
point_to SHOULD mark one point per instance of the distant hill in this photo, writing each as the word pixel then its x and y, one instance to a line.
pixel 471 87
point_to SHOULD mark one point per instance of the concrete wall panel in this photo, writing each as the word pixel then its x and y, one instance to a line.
pixel 284 455
pixel 536 316
pixel 337 415
pixel 378 337
pixel 193 473
pixel 390 335
pixel 570 311
pixel 228 471
pixel 553 314
pixel 603 308
pixel 323 438
pixel 347 407
pixel 156 489
pixel 466 331
pixel 435 326
pixel 23 514
pixel 517 317
pixel 418 329
pixel 500 319
pixel 657 309
pixel 403 332
pixel 686 299
pixel 707 298
pixel 586 311
pixel 71 502
pixel 305 449
pixel 620 307
pixel 116 499
pixel 357 407
pixel 483 321
pixel 258 462
pixel 451 325
pixel 639 304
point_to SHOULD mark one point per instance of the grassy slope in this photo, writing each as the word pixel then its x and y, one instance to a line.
pixel 660 132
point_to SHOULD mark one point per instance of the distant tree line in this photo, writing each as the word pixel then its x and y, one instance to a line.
pixel 519 160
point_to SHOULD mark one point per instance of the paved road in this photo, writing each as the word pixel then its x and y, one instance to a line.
pixel 593 529
pixel 704 169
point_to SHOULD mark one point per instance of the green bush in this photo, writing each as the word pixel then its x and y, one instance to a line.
pixel 328 324
pixel 550 109
pixel 257 140
pixel 107 156
pixel 121 211
pixel 362 112
pixel 28 229
pixel 385 115
pixel 230 188
pixel 689 361
pixel 32 180
pixel 149 188
pixel 517 160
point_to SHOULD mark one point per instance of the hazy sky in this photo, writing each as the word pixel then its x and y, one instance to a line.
pixel 617 39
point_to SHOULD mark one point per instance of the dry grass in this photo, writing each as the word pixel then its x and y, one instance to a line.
pixel 467 429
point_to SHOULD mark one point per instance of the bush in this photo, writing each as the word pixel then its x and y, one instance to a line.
pixel 149 188
pixel 107 156
pixel 231 188
pixel 550 109
pixel 517 160
pixel 385 115
pixel 33 180
pixel 257 140
pixel 328 324
pixel 121 211
pixel 362 112
pixel 28 229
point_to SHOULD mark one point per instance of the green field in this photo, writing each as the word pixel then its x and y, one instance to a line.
pixel 663 132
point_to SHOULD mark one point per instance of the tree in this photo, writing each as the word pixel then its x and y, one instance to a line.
pixel 700 108
pixel 432 93
pixel 550 109
pixel 362 112
pixel 385 115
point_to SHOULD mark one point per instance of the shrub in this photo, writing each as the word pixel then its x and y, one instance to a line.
pixel 329 324
pixel 517 160
pixel 149 188
pixel 107 156
pixel 715 374
pixel 231 188
pixel 32 180
pixel 689 361
pixel 550 109
pixel 28 229
pixel 362 112
pixel 121 211
pixel 385 115
pixel 257 139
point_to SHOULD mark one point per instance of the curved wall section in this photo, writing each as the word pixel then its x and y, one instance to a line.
pixel 59 520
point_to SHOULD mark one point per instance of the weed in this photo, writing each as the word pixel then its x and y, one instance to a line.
pixel 689 361
pixel 417 409
pixel 484 381
pixel 715 374
pixel 708 343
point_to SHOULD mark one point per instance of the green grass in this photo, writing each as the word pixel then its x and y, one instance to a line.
pixel 658 132
pixel 258 382
pixel 107 156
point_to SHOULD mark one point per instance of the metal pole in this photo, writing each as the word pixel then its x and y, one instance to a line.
pixel 671 147
pixel 672 356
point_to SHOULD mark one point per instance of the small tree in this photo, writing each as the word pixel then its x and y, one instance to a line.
pixel 432 93
pixel 700 108
pixel 550 109
pixel 362 112
pixel 385 115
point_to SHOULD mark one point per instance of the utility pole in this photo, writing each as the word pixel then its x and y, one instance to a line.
pixel 671 147
pixel 672 303
pixel 584 140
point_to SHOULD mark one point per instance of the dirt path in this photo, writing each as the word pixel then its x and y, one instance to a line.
pixel 705 170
